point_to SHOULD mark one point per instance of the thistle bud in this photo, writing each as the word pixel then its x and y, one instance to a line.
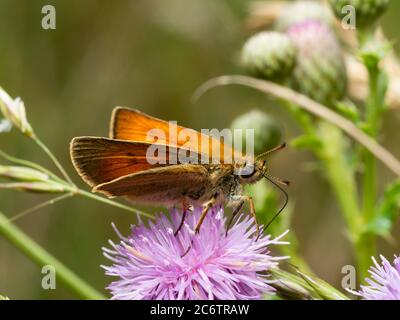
pixel 320 71
pixel 14 111
pixel 303 286
pixel 267 132
pixel 300 11
pixel 269 55
pixel 367 11
pixel 322 288
pixel 22 173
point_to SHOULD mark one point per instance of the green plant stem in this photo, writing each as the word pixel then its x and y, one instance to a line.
pixel 341 178
pixel 53 158
pixel 72 188
pixel 40 206
pixel 372 120
pixel 110 202
pixel 340 175
pixel 41 257
pixel 366 246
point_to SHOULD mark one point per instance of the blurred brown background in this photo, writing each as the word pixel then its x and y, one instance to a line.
pixel 150 55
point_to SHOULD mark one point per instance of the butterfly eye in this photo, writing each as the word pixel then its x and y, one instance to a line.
pixel 247 171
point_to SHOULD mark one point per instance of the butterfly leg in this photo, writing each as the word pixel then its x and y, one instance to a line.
pixel 252 210
pixel 185 208
pixel 206 208
pixel 234 213
pixel 253 214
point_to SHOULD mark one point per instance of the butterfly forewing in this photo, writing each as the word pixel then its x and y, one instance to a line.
pixel 121 165
pixel 133 125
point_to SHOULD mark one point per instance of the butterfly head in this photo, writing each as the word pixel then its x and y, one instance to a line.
pixel 251 173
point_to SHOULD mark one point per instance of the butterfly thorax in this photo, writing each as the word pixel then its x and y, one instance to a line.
pixel 228 179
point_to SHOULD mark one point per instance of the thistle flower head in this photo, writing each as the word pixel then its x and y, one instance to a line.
pixel 320 71
pixel 384 282
pixel 151 262
pixel 300 11
pixel 269 55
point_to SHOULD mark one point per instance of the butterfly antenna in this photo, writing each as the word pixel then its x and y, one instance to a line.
pixel 277 183
pixel 266 154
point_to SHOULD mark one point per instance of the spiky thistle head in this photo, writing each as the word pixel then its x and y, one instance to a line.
pixel 267 131
pixel 269 55
pixel 320 71
pixel 384 281
pixel 153 263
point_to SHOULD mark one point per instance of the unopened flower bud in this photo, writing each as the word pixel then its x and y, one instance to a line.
pixel 35 186
pixel 322 288
pixel 300 11
pixel 5 125
pixel 267 132
pixel 367 11
pixel 269 55
pixel 14 111
pixel 320 71
pixel 22 173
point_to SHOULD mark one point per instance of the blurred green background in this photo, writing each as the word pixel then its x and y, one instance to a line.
pixel 151 55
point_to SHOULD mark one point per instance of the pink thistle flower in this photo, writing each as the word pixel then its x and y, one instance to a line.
pixel 151 263
pixel 384 283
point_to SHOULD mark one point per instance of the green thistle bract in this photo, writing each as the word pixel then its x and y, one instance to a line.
pixel 269 55
pixel 320 71
pixel 367 11
pixel 267 132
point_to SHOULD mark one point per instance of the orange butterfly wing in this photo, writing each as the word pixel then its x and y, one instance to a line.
pixel 101 160
pixel 158 185
pixel 133 125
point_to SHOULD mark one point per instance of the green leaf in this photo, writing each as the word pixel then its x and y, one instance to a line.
pixel 311 142
pixel 349 110
pixel 388 211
